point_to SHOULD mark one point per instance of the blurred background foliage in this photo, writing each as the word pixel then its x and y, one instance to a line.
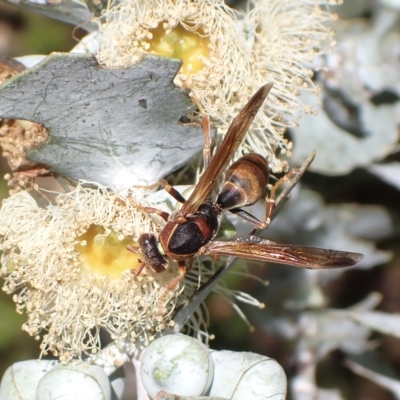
pixel 355 210
pixel 24 32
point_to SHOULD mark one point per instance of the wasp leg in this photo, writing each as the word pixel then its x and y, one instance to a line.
pixel 205 119
pixel 190 266
pixel 149 210
pixel 138 271
pixel 136 250
pixel 271 201
pixel 168 188
pixel 152 210
pixel 248 217
pixel 177 279
pixel 293 178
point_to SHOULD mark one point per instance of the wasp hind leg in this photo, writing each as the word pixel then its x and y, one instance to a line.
pixel 270 204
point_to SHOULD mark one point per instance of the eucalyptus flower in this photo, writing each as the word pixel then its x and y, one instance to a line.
pixel 66 263
pixel 227 55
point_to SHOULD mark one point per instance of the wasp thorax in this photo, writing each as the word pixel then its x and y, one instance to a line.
pixel 190 236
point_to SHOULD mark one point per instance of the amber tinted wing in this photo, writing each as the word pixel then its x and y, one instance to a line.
pixel 298 256
pixel 229 145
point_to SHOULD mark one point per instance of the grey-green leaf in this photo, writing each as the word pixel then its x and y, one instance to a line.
pixel 118 127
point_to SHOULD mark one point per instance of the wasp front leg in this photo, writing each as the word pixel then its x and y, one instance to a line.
pixel 136 250
pixel 167 187
pixel 205 119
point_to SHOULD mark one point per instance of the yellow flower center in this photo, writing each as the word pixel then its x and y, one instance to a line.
pixel 106 254
pixel 189 46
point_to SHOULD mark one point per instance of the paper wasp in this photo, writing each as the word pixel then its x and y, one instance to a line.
pixel 190 232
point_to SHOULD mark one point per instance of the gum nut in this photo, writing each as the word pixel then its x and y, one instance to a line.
pixel 74 382
pixel 21 379
pixel 250 376
pixel 177 364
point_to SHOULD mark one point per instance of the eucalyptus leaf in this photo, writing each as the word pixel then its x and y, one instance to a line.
pixel 375 361
pixel 389 173
pixel 338 151
pixel 304 388
pixel 30 61
pixel 379 321
pixel 351 9
pixel 324 330
pixel 391 3
pixel 369 367
pixel 365 61
pixel 90 44
pixel 117 127
pixel 364 76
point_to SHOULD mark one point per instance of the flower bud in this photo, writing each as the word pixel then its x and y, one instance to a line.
pixel 21 379
pixel 176 364
pixel 245 375
pixel 73 382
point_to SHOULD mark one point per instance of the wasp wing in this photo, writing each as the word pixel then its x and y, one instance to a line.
pixel 298 256
pixel 229 145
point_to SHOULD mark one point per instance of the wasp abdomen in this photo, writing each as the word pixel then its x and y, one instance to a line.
pixel 245 182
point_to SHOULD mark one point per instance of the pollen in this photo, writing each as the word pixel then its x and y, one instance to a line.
pixel 189 46
pixel 104 253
